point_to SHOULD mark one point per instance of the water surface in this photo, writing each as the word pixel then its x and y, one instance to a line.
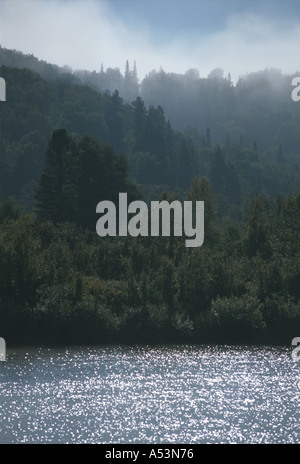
pixel 163 394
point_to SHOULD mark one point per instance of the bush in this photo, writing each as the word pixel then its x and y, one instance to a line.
pixel 238 318
pixel 282 316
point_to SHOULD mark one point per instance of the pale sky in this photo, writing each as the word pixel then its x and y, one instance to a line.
pixel 240 36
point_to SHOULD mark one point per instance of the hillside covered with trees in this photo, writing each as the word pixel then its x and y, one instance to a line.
pixel 244 138
pixel 66 144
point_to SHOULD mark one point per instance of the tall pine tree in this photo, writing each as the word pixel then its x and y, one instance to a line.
pixel 55 193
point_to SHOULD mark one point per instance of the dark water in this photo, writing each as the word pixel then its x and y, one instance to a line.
pixel 164 394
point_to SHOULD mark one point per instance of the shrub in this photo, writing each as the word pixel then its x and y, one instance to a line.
pixel 238 318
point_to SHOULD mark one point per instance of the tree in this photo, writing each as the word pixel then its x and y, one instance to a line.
pixel 258 227
pixel 139 122
pixel 113 117
pixel 77 177
pixel 201 190
pixel 184 163
pixel 217 171
pixel 208 138
pixel 55 193
pixel 130 83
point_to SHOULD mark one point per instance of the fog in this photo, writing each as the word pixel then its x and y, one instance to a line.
pixel 84 34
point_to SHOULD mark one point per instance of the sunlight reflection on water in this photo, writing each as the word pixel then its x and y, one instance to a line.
pixel 163 394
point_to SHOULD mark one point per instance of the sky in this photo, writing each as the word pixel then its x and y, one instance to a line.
pixel 239 36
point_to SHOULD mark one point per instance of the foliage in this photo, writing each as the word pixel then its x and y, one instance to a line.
pixel 171 128
pixel 62 283
pixel 64 147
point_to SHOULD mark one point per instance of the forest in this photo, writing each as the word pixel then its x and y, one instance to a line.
pixel 69 140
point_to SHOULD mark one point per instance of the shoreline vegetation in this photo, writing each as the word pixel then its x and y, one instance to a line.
pixel 63 284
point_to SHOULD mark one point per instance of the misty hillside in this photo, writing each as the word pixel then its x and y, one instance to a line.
pixel 17 59
pixel 244 138
pixel 258 107
pixel 65 146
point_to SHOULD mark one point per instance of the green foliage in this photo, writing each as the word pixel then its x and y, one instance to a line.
pixel 8 210
pixel 60 282
pixel 238 318
pixel 77 176
pixel 244 144
pixel 36 108
pixel 55 194
pixel 65 284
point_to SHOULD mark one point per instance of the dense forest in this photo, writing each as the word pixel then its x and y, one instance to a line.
pixel 71 139
pixel 244 138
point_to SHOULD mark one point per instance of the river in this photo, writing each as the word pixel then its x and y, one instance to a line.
pixel 150 394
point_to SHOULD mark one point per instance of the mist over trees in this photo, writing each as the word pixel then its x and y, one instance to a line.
pixel 244 138
pixel 71 139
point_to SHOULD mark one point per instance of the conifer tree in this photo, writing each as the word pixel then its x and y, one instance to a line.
pixel 55 193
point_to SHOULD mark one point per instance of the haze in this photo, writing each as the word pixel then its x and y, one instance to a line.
pixel 176 35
